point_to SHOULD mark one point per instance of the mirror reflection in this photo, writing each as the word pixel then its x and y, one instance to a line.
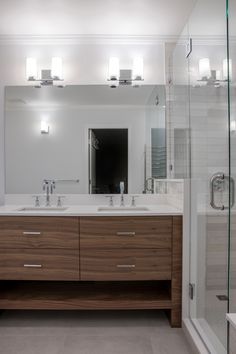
pixel 86 138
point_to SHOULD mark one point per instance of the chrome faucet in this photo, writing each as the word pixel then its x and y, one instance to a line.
pixel 122 189
pixel 48 186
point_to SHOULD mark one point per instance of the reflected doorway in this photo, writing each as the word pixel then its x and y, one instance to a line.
pixel 108 160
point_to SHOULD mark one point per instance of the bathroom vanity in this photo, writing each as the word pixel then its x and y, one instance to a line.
pixel 92 262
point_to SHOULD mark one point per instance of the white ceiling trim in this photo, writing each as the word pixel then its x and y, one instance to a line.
pixel 85 39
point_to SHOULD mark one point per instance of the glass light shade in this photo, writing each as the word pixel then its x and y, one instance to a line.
pixel 218 75
pixel 233 126
pixel 225 69
pixel 138 68
pixel 44 127
pixel 56 69
pixel 204 68
pixel 114 68
pixel 31 69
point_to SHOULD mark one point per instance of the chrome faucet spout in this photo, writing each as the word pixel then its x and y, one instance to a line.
pixel 48 187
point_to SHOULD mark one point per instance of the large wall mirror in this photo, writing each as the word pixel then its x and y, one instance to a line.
pixel 88 133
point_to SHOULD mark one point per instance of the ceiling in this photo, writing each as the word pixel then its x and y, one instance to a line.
pixel 94 17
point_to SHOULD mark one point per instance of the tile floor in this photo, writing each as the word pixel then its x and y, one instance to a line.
pixel 137 332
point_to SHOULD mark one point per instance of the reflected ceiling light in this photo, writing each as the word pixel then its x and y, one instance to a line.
pixel 225 69
pixel 44 127
pixel 47 76
pixel 204 68
pixel 125 77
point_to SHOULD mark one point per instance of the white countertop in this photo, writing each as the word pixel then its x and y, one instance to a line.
pixel 90 210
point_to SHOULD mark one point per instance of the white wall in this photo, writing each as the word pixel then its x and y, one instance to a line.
pixel 63 153
pixel 85 62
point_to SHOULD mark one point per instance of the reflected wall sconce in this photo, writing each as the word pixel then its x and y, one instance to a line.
pixel 227 62
pixel 48 76
pixel 126 77
pixel 233 126
pixel 214 77
pixel 44 127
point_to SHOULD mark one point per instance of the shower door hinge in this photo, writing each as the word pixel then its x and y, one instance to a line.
pixel 191 291
pixel 189 48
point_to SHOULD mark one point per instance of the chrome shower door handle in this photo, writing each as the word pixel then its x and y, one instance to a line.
pixel 232 191
pixel 216 182
pixel 217 179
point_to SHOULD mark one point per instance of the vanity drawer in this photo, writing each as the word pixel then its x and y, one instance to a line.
pixel 25 264
pixel 39 232
pixel 125 264
pixel 126 232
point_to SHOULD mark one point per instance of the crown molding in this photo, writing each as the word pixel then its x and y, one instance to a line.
pixel 102 39
pixel 85 39
pixel 207 40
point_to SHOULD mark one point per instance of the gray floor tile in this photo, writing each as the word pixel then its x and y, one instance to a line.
pixel 107 345
pixel 170 343
pixel 89 332
pixel 31 344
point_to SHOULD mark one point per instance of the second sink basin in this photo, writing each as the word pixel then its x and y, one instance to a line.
pixel 122 209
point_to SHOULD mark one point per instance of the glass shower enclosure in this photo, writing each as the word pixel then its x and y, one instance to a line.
pixel 203 101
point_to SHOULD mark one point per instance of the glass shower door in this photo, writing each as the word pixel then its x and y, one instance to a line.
pixel 210 173
pixel 232 123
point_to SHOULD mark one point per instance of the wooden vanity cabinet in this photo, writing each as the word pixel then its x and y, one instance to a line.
pixel 125 248
pixel 39 248
pixel 92 263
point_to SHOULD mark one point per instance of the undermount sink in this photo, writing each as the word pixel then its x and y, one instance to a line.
pixel 122 209
pixel 42 209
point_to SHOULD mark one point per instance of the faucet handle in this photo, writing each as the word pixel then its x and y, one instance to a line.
pixel 37 200
pixel 52 186
pixel 133 200
pixel 111 203
pixel 59 200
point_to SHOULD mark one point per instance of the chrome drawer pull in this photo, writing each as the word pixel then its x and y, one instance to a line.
pixel 126 233
pixel 125 265
pixel 33 265
pixel 31 233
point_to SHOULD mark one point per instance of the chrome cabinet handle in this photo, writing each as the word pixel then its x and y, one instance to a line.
pixel 31 233
pixel 126 266
pixel 32 265
pixel 216 180
pixel 126 233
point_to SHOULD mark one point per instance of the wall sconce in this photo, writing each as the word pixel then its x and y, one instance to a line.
pixel 225 69
pixel 47 76
pixel 214 77
pixel 233 126
pixel 125 77
pixel 205 69
pixel 44 127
